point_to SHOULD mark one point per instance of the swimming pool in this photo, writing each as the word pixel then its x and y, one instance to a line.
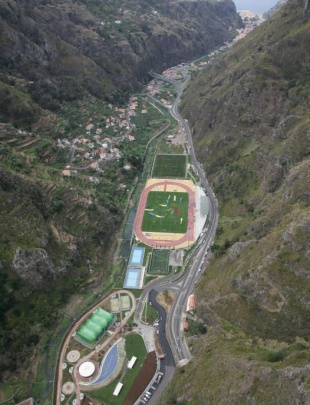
pixel 132 279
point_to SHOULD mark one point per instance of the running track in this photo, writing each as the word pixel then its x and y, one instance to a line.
pixel 151 241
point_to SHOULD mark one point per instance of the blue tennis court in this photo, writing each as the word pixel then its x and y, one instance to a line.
pixel 108 365
pixel 136 256
pixel 132 279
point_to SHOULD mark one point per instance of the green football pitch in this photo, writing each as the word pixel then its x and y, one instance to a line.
pixel 165 212
pixel 170 166
pixel 160 262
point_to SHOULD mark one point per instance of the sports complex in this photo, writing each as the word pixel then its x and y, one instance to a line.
pixel 171 213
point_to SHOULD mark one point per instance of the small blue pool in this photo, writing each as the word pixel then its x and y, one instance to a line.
pixel 136 256
pixel 132 279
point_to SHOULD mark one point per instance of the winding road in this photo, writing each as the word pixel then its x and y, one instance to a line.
pixel 173 343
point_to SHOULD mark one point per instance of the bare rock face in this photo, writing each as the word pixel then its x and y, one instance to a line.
pixel 34 266
pixel 239 247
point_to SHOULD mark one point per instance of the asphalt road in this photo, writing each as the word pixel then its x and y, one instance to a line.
pixel 169 359
pixel 170 337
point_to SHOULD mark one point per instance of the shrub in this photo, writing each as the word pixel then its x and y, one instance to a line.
pixel 275 355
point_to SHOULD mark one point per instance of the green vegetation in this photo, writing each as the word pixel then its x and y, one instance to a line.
pixel 275 356
pixel 196 328
pixel 169 166
pixel 63 68
pixel 149 314
pixel 247 111
pixel 165 212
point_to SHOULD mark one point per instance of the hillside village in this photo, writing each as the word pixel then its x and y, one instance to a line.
pixel 100 141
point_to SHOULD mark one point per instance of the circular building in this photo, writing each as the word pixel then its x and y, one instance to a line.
pixel 68 388
pixel 73 356
pixel 87 369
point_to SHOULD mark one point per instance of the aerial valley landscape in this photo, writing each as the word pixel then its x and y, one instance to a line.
pixel 154 194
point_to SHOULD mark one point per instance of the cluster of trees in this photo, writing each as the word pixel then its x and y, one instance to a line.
pixel 196 327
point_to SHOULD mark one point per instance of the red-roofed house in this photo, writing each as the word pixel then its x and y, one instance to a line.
pixel 185 325
pixel 191 303
pixel 66 172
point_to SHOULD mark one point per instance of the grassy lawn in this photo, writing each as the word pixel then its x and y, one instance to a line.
pixel 149 314
pixel 134 347
pixel 170 166
pixel 166 212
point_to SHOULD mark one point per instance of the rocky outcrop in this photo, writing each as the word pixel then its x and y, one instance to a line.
pixel 34 267
pixel 275 8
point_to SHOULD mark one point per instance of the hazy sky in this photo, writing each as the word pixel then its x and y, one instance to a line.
pixel 257 6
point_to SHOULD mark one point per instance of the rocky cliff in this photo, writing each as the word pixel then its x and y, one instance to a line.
pixel 275 8
pixel 249 112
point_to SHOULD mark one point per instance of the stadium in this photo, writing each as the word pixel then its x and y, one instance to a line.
pixel 171 213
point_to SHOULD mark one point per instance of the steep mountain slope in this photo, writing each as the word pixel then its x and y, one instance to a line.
pixel 275 8
pixel 61 63
pixel 249 112
pixel 66 49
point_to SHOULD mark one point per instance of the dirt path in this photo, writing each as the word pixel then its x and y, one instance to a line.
pixel 165 299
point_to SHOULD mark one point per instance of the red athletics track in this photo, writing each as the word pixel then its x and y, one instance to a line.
pixel 187 238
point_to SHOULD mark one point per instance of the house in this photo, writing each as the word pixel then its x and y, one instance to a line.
pixel 185 325
pixel 191 303
pixel 66 172
pixel 89 127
